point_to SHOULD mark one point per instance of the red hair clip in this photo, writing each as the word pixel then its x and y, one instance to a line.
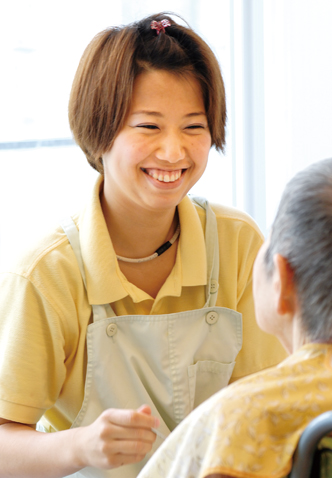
pixel 160 26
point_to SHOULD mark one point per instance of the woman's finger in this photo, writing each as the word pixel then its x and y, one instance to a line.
pixel 128 447
pixel 130 418
pixel 144 409
pixel 117 432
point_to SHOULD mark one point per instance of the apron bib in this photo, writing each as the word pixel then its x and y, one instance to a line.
pixel 172 362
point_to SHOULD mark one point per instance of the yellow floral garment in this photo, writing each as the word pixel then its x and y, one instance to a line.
pixel 252 427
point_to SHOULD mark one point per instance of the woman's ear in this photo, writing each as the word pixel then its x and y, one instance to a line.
pixel 284 286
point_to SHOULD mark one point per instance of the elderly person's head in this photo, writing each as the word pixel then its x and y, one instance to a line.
pixel 295 264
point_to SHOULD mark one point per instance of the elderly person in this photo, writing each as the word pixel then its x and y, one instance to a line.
pixel 251 428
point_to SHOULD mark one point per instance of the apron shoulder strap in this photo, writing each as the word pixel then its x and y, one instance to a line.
pixel 212 251
pixel 71 231
pixel 69 227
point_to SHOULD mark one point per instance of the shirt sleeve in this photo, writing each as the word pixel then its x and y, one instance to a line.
pixel 32 368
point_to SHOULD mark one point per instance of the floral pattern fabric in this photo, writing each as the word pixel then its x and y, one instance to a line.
pixel 252 427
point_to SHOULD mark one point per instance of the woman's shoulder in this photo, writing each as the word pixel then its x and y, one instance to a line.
pixel 231 218
pixel 228 212
pixel 46 286
pixel 42 258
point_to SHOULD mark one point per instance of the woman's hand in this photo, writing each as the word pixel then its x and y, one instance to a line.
pixel 117 437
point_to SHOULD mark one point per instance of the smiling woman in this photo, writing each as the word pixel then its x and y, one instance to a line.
pixel 156 158
pixel 118 348
pixel 100 101
pixel 165 133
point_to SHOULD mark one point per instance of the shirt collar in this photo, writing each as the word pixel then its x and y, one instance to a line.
pixel 100 263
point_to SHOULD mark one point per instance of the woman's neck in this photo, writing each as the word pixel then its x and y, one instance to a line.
pixel 137 233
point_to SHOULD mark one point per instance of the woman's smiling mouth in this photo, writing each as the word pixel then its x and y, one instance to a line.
pixel 164 176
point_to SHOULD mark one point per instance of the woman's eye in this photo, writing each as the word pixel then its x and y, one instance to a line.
pixel 195 126
pixel 147 126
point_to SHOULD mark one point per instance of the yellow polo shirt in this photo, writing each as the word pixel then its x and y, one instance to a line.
pixel 45 309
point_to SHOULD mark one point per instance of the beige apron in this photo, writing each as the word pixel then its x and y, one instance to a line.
pixel 172 362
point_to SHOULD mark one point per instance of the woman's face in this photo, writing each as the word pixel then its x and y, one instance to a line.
pixel 163 148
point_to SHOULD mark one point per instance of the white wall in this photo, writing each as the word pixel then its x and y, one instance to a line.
pixel 298 90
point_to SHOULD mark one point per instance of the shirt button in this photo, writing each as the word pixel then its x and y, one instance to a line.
pixel 211 318
pixel 111 330
pixel 214 286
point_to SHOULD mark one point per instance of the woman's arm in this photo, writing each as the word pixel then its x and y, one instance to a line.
pixel 116 438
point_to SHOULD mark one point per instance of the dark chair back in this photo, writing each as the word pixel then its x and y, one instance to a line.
pixel 307 460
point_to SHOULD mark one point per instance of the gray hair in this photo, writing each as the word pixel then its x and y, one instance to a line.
pixel 302 233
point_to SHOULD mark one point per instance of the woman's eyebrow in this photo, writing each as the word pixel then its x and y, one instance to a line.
pixel 147 112
pixel 198 113
pixel 156 113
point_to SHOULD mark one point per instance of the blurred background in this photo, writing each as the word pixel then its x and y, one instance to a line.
pixel 276 59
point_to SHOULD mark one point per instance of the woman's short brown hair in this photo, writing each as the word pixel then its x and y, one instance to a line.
pixel 102 88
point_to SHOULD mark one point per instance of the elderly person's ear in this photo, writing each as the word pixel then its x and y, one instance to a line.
pixel 285 292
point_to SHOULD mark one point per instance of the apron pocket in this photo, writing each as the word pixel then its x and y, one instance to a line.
pixel 207 378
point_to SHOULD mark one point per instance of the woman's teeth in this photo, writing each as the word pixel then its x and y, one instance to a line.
pixel 165 176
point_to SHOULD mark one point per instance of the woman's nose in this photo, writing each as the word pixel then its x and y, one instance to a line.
pixel 171 148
